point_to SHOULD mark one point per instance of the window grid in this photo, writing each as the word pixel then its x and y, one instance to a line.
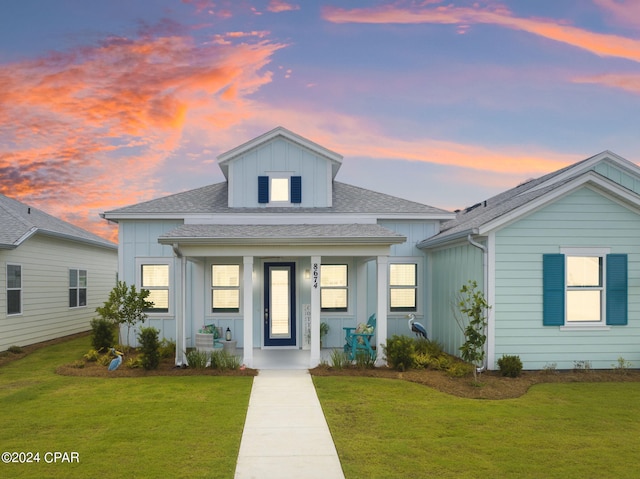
pixel 155 279
pixel 14 289
pixel 77 288
pixel 225 288
pixel 403 286
pixel 334 287
pixel 584 288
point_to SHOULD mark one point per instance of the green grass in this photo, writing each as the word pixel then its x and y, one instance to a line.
pixel 149 427
pixel 389 428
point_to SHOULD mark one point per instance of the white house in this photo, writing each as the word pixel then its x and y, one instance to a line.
pixel 55 275
pixel 276 249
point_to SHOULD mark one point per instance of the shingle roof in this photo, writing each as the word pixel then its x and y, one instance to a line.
pixel 488 210
pixel 213 199
pixel 19 221
pixel 322 233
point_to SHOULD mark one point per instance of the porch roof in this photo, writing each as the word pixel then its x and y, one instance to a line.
pixel 307 234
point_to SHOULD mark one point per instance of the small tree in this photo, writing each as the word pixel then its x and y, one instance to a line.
pixel 125 305
pixel 473 307
pixel 149 347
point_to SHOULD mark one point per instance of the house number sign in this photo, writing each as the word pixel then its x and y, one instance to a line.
pixel 315 275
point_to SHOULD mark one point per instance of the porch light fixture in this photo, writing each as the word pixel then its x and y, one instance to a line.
pixel 307 273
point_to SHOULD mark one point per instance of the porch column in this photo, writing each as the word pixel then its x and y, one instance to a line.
pixel 381 313
pixel 181 312
pixel 247 310
pixel 314 358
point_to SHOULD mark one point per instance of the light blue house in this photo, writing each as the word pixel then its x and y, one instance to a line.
pixel 281 246
pixel 558 258
pixel 277 249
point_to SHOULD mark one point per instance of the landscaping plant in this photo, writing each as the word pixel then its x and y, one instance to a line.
pixel 510 366
pixel 473 307
pixel 400 352
pixel 149 347
pixel 102 334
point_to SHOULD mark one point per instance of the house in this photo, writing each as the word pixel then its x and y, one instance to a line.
pixel 55 275
pixel 558 259
pixel 281 247
pixel 276 249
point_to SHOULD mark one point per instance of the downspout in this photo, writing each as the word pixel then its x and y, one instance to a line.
pixel 180 360
pixel 485 273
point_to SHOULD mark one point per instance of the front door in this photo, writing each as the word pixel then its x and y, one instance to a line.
pixel 279 304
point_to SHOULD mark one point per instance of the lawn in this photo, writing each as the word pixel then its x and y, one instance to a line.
pixel 147 427
pixel 387 428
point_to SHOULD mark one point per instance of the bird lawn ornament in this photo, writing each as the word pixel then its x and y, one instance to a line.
pixel 117 361
pixel 417 328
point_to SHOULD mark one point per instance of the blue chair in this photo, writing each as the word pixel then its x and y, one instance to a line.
pixel 359 339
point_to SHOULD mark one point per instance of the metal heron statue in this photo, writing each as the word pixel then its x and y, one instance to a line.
pixel 417 328
pixel 117 361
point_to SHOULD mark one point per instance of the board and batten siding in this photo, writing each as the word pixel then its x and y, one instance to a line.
pixel 584 218
pixel 45 265
pixel 450 269
pixel 280 155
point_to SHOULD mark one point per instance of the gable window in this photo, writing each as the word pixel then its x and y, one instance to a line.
pixel 14 289
pixel 225 288
pixel 279 189
pixel 77 288
pixel 584 287
pixel 155 278
pixel 403 286
pixel 334 287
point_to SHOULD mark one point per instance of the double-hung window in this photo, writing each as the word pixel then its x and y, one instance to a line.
pixel 77 287
pixel 14 289
pixel 155 278
pixel 403 286
pixel 584 286
pixel 280 189
pixel 225 288
pixel 334 292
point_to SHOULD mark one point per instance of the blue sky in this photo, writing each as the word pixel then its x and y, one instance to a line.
pixel 104 104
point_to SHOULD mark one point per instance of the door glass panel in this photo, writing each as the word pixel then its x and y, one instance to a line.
pixel 280 303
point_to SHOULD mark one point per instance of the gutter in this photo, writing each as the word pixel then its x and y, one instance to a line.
pixel 437 241
pixel 485 273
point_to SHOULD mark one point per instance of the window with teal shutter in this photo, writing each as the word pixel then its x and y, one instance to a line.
pixel 553 289
pixel 617 289
pixel 263 189
pixel 296 189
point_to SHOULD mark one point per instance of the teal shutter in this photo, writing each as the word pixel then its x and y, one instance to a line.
pixel 263 189
pixel 553 289
pixel 617 297
pixel 296 189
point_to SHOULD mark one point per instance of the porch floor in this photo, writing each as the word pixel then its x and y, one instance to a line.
pixel 284 358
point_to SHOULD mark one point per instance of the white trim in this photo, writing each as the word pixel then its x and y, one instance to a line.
pixel 314 360
pixel 209 313
pixel 382 274
pixel 490 292
pixel 420 287
pixel 173 283
pixel 247 286
pixel 21 289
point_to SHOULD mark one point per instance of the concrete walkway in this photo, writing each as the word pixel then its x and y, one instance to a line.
pixel 285 434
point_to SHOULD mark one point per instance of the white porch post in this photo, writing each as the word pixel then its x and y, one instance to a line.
pixel 314 358
pixel 247 309
pixel 381 313
pixel 181 340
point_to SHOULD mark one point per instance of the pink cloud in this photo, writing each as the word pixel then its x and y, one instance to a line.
pixel 88 130
pixel 628 82
pixel 277 6
pixel 623 12
pixel 597 43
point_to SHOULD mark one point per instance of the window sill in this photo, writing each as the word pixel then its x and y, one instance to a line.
pixel 585 327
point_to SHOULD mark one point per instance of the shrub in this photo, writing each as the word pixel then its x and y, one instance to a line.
pixel 582 366
pixel 400 352
pixel 339 359
pixel 149 348
pixel 167 349
pixel 104 359
pixel 197 359
pixel 550 368
pixel 79 364
pixel 223 360
pixel 510 366
pixel 622 367
pixel 440 363
pixel 15 349
pixel 364 360
pixel 92 355
pixel 428 347
pixel 133 363
pixel 459 369
pixel 102 334
pixel 421 360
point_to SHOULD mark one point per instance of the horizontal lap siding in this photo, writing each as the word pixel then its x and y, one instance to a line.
pixel 45 289
pixel 582 219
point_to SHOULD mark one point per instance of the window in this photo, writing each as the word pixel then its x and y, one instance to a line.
pixel 333 287
pixel 77 288
pixel 280 189
pixel 403 286
pixel 584 287
pixel 14 289
pixel 225 288
pixel 155 278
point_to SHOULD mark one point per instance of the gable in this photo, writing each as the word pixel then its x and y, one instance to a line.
pixel 280 169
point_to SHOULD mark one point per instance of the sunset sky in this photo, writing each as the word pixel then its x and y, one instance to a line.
pixel 109 103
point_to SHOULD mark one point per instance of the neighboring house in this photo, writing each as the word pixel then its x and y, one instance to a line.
pixel 55 275
pixel 275 250
pixel 280 247
pixel 558 258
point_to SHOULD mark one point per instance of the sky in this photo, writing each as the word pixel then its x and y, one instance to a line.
pixel 109 103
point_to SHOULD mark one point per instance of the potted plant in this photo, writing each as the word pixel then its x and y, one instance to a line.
pixel 324 330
